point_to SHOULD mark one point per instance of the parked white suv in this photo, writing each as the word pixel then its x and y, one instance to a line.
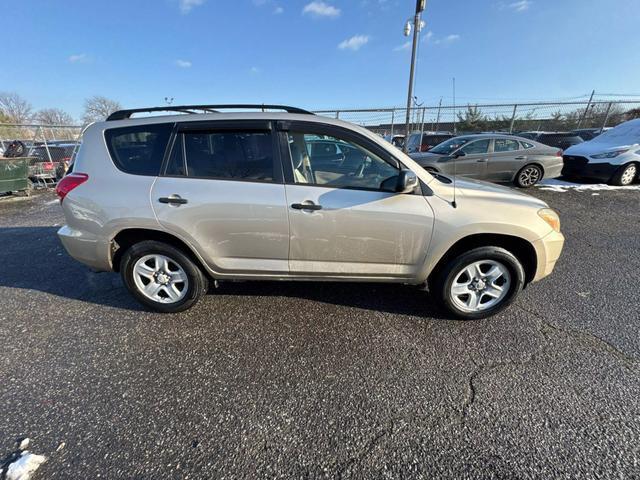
pixel 173 202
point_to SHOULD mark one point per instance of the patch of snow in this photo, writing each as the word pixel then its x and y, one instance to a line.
pixel 25 466
pixel 52 202
pixel 561 186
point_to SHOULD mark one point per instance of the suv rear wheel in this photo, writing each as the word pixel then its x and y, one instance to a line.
pixel 479 283
pixel 162 277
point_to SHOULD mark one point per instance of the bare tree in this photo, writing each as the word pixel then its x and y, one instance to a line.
pixel 54 116
pixel 15 108
pixel 98 108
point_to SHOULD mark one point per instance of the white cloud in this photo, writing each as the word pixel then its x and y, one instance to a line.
pixel 521 5
pixel 405 46
pixel 278 10
pixel 183 63
pixel 448 40
pixel 255 70
pixel 187 5
pixel 78 58
pixel 451 38
pixel 354 43
pixel 428 36
pixel 321 9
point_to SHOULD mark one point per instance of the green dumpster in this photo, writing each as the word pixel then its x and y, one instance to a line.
pixel 14 174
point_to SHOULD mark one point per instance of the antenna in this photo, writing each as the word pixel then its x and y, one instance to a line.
pixel 454 204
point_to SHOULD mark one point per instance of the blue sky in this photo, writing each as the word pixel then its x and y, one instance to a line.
pixel 315 54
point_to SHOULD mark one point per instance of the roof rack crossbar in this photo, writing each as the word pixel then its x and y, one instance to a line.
pixel 124 114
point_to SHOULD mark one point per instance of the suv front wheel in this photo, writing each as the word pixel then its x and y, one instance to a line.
pixel 162 277
pixel 478 283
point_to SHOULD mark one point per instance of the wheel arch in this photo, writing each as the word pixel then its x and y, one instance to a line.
pixel 126 238
pixel 523 250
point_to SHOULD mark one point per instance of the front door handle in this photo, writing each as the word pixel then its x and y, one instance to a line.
pixel 306 206
pixel 173 200
pixel 522 157
pixel 482 160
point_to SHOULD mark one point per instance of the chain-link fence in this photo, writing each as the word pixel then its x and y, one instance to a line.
pixel 506 117
pixel 49 149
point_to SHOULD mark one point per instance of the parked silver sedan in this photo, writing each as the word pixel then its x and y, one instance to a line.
pixel 493 157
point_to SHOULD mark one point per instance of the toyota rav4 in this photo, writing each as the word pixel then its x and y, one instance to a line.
pixel 176 202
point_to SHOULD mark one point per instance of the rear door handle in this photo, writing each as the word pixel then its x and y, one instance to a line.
pixel 173 200
pixel 482 160
pixel 521 157
pixel 306 206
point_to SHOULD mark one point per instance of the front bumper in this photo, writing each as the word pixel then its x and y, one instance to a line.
pixel 548 251
pixel 583 168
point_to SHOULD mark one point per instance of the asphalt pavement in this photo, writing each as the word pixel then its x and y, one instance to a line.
pixel 322 380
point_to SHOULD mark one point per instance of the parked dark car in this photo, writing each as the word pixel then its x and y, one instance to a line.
pixel 562 140
pixel 497 158
pixel 429 140
pixel 589 133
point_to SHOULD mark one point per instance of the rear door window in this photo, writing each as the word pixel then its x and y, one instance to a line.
pixel 139 150
pixel 225 155
pixel 505 145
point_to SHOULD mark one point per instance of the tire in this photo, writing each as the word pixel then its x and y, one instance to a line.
pixel 625 175
pixel 528 176
pixel 498 294
pixel 177 281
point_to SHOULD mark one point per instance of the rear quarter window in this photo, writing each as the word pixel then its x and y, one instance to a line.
pixel 138 150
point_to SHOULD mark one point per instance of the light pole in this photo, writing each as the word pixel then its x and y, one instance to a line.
pixel 420 6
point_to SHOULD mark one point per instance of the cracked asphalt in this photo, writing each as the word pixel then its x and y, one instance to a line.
pixel 306 380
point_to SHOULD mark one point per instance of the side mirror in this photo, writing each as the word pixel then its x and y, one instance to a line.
pixel 407 181
pixel 458 154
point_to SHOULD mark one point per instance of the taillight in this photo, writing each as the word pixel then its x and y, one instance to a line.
pixel 559 153
pixel 69 182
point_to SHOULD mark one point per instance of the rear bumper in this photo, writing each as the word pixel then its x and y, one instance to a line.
pixel 553 171
pixel 86 248
pixel 596 171
pixel 548 251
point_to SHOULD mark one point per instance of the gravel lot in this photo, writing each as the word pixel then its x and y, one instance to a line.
pixel 324 380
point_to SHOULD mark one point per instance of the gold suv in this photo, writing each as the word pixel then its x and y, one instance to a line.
pixel 176 202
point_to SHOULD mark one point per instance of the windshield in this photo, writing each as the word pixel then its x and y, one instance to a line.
pixel 445 148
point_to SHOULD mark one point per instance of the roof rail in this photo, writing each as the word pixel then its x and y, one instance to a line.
pixel 124 114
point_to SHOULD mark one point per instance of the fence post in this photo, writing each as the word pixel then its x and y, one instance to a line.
pixel 422 126
pixel 337 114
pixel 586 110
pixel 606 117
pixel 513 118
pixel 438 116
pixel 393 117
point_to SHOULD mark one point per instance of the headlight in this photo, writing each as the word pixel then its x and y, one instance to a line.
pixel 612 154
pixel 551 217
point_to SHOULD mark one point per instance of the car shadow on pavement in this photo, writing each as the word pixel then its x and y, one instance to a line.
pixel 32 258
pixel 381 297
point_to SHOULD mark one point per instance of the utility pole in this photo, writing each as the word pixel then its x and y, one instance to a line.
pixel 420 6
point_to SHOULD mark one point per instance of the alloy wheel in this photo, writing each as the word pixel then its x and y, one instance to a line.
pixel 161 279
pixel 529 176
pixel 480 286
pixel 628 175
